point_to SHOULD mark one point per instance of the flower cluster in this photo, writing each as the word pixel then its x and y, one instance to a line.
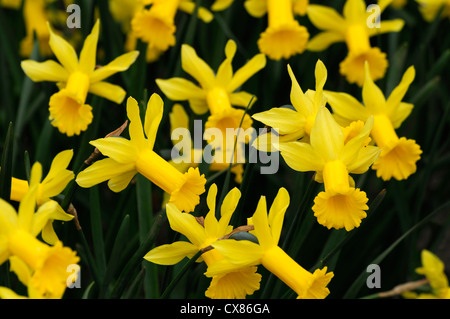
pixel 344 123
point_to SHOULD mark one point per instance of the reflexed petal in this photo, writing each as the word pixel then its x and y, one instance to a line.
pixel 256 8
pixel 355 11
pixel 323 40
pixel 185 224
pixel 108 91
pixel 327 137
pixel 398 93
pixel 373 97
pixel 189 7
pixel 119 64
pixel 153 116
pixel 63 51
pixel 172 253
pixel 211 224
pixel 326 18
pixel 352 148
pixel 44 71
pixel 301 156
pixel 346 108
pixel 282 119
pixel 365 159
pixel 120 182
pixel 238 253
pixel 225 71
pixel 227 209
pixel 135 128
pixel 276 213
pixel 8 217
pixel 243 99
pixel 21 269
pixel 387 26
pixel 89 52
pixel 196 67
pixel 321 78
pixel 401 113
pixel 261 223
pixel 101 171
pixel 179 89
pixel 48 211
pixel 117 148
pixel 257 63
pixel 297 96
pixel 178 117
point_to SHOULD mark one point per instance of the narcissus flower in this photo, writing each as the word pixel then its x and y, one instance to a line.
pixel 126 158
pixel 341 205
pixel 352 28
pixel 76 78
pixel 398 156
pixel 267 229
pixel 293 124
pixel 431 8
pixel 18 231
pixel 201 233
pixel 216 93
pixel 434 270
pixel 284 36
pixel 156 25
pixel 52 185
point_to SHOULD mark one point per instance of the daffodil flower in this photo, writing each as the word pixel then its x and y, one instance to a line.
pixel 76 78
pixel 293 124
pixel 398 156
pixel 156 25
pixel 126 158
pixel 52 185
pixel 430 9
pixel 217 92
pixel 267 229
pixel 284 36
pixel 11 4
pixel 341 205
pixel 18 231
pixel 434 270
pixel 352 28
pixel 201 233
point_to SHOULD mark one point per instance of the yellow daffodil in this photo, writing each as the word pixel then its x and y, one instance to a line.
pixel 52 185
pixel 341 205
pixel 293 124
pixel 217 92
pixel 18 231
pixel 201 233
pixel 398 156
pixel 267 229
pixel 284 36
pixel 128 157
pixel 434 270
pixel 430 9
pixel 354 29
pixel 77 78
pixel 156 25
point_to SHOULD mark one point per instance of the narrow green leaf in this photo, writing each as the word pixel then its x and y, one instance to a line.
pixel 6 164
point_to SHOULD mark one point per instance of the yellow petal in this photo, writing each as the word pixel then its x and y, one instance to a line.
pixel 398 93
pixel 172 253
pixel 323 40
pixel 220 5
pixel 48 211
pixel 321 78
pixel 346 108
pixel 108 91
pixel 373 97
pixel 8 217
pixel 185 224
pixel 365 159
pixel 135 128
pixel 261 223
pixel 355 11
pixel 225 71
pixel 352 148
pixel 256 8
pixel 276 213
pixel 44 71
pixel 387 26
pixel 326 18
pixel 119 64
pixel 189 7
pixel 89 51
pixel 117 148
pixel 243 99
pixel 179 89
pixel 282 119
pixel 196 67
pixel 327 137
pixel 257 63
pixel 297 97
pixel 58 176
pixel 153 116
pixel 301 156
pixel 211 224
pixel 21 269
pixel 178 117
pixel 227 209
pixel 101 171
pixel 63 51
pixel 238 253
pixel 401 113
